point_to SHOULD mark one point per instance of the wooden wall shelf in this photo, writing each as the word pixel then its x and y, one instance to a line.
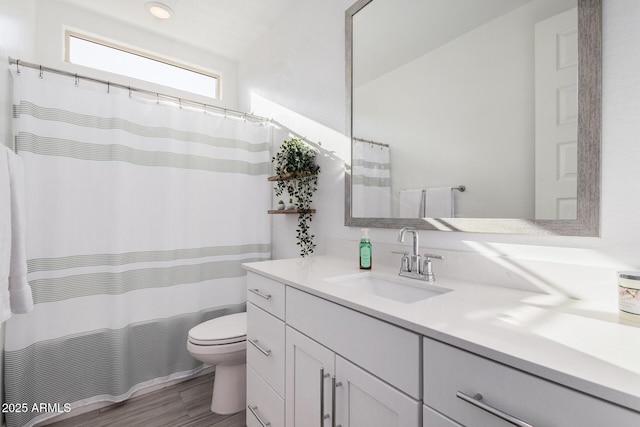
pixel 288 176
pixel 289 211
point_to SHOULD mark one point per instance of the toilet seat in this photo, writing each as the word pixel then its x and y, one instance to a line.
pixel 222 330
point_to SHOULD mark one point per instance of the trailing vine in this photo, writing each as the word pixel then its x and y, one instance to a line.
pixel 295 165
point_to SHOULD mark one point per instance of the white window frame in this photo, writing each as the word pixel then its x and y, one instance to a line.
pixel 71 33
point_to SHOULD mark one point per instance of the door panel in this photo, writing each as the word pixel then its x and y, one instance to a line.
pixel 556 116
pixel 305 359
pixel 365 401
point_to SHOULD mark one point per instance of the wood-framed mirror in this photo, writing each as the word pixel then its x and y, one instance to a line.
pixel 475 115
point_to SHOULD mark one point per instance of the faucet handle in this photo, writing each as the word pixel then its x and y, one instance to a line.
pixel 404 262
pixel 426 266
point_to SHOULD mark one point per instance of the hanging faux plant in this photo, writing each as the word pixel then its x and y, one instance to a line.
pixel 296 168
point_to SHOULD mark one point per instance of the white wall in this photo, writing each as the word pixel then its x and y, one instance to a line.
pixel 296 76
pixel 300 66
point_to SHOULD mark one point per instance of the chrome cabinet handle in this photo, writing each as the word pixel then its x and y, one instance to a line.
pixel 252 409
pixel 476 400
pixel 323 416
pixel 334 386
pixel 260 348
pixel 260 294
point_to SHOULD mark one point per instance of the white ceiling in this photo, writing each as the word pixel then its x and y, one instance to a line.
pixel 225 27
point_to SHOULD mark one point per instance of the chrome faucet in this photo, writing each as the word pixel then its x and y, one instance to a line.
pixel 414 262
pixel 413 266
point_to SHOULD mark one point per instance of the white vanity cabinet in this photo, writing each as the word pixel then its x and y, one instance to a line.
pixel 265 351
pixel 327 348
pixel 455 379
pixel 344 368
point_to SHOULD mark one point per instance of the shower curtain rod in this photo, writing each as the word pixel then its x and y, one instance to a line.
pixel 370 142
pixel 226 111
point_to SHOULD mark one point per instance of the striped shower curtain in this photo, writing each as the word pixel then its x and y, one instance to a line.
pixel 371 180
pixel 139 215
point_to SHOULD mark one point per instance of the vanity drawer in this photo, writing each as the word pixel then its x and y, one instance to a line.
pixel 449 371
pixel 266 294
pixel 391 352
pixel 264 406
pixel 265 346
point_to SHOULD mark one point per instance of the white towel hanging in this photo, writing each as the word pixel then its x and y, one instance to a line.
pixel 439 202
pixel 15 292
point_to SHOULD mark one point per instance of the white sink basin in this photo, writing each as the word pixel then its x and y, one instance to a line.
pixel 397 290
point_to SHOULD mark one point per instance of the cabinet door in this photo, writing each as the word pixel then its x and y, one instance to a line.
pixel 363 400
pixel 308 395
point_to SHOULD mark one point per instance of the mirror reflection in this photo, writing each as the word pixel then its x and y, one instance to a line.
pixel 465 109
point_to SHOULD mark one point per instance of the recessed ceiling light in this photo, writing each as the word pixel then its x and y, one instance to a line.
pixel 159 10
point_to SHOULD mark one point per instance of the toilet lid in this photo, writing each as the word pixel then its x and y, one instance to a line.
pixel 221 330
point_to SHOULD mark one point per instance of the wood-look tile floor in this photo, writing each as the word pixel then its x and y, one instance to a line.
pixel 186 404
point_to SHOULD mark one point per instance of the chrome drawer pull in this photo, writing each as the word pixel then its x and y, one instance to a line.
pixel 255 414
pixel 260 294
pixel 476 400
pixel 260 349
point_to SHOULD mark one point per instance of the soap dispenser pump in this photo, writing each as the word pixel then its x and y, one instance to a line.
pixel 365 250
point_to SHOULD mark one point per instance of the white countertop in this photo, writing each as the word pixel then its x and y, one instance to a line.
pixel 580 345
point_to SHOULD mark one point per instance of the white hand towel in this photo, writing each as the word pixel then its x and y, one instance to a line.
pixel 439 202
pixel 21 299
pixel 412 203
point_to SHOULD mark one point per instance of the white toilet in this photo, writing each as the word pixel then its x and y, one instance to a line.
pixel 223 342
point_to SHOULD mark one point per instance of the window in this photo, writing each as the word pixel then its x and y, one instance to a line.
pixel 87 51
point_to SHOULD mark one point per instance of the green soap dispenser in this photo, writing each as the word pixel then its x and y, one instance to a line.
pixel 365 250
